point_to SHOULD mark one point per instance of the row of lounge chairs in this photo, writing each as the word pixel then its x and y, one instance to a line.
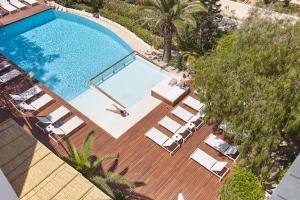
pixel 180 132
pixel 51 123
pixel 216 167
pixel 193 122
pixel 14 5
pixel 35 99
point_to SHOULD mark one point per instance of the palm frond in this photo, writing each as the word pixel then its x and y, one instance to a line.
pixel 102 184
pixel 118 179
pixel 102 159
pixel 87 145
pixel 73 154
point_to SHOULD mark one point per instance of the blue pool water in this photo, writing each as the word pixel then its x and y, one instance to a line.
pixel 63 51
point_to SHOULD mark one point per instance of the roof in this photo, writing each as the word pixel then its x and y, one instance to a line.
pixel 288 188
pixel 34 172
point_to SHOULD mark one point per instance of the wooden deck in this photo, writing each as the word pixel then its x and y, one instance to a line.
pixel 157 175
pixel 23 13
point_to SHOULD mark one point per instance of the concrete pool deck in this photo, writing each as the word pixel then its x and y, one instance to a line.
pixel 111 122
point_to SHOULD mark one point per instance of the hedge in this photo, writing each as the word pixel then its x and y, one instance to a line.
pixel 242 185
pixel 130 24
pixel 82 6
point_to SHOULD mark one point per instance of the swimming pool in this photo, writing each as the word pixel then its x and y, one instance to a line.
pixel 63 50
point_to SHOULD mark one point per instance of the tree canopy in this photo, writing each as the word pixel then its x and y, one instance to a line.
pixel 252 80
pixel 207 32
pixel 172 16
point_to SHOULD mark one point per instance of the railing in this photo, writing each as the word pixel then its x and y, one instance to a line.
pixel 116 67
pixel 99 78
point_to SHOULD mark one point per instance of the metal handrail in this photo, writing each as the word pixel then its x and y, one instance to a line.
pixel 99 74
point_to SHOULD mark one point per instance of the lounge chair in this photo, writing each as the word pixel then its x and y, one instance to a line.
pixel 218 168
pixel 9 76
pixel 182 113
pixel 53 117
pixel 36 104
pixel 186 116
pixel 231 151
pixel 193 103
pixel 66 128
pixel 198 120
pixel 7 6
pixel 24 96
pixel 162 140
pixel 4 65
pixel 3 13
pixel 176 128
pixel 17 4
pixel 31 2
pixel 169 124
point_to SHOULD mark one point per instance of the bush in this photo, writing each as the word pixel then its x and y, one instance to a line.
pixel 81 6
pixel 243 184
pixel 128 10
pixel 278 6
pixel 130 24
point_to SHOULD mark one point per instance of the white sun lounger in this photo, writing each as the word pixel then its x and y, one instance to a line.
pixel 231 151
pixel 31 2
pixel 162 140
pixel 9 76
pixel 24 96
pixel 182 113
pixel 176 128
pixel 66 128
pixel 169 124
pixel 3 65
pixel 218 168
pixel 188 117
pixel 193 103
pixel 6 5
pixel 53 117
pixel 36 104
pixel 17 4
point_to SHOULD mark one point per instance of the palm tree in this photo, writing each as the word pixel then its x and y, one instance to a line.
pixel 171 16
pixel 82 161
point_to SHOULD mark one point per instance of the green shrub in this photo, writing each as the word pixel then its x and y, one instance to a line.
pixel 242 185
pixel 81 6
pixel 278 6
pixel 130 24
